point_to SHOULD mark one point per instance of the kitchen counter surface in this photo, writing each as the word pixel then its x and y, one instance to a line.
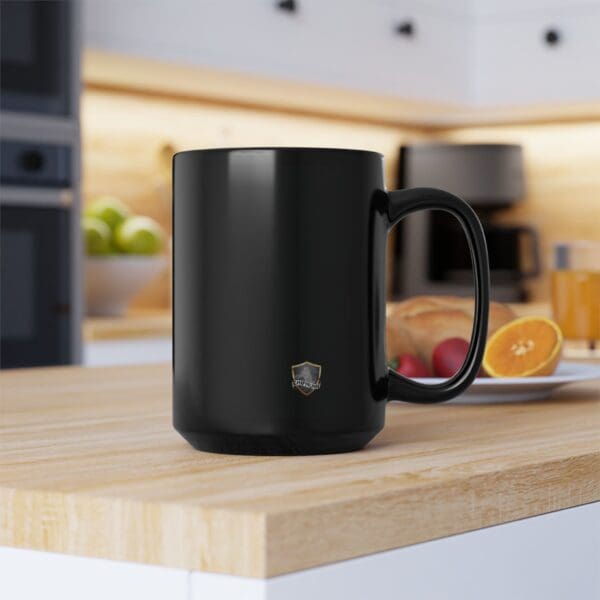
pixel 90 465
pixel 135 324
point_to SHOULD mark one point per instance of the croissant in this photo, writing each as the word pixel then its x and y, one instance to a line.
pixel 417 325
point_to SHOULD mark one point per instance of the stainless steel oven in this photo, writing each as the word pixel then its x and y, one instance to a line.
pixel 35 55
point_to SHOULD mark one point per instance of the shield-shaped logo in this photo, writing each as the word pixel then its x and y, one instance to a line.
pixel 306 377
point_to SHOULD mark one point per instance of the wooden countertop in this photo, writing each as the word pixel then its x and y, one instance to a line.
pixel 135 324
pixel 90 465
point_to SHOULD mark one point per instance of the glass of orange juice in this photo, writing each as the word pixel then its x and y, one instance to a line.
pixel 576 290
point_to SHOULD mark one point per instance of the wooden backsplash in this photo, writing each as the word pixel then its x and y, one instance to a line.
pixel 128 139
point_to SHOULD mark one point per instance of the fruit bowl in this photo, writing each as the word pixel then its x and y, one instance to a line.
pixel 112 281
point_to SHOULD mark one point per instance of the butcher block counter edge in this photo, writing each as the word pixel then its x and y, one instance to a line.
pixel 90 465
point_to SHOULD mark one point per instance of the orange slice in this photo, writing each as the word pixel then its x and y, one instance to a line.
pixel 525 347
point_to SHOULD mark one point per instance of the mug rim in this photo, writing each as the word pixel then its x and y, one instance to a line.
pixel 278 149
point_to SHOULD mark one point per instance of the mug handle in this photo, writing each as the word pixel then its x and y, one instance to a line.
pixel 400 203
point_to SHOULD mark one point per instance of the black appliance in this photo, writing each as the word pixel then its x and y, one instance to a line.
pixel 35 56
pixel 431 255
pixel 35 164
pixel 40 246
pixel 35 255
pixel 36 309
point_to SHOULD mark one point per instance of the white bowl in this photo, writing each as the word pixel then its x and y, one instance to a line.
pixel 112 281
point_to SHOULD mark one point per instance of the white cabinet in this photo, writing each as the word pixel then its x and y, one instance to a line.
pixel 514 63
pixel 483 53
pixel 344 43
pixel 34 575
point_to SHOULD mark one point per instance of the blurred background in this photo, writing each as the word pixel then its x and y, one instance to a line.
pixel 497 101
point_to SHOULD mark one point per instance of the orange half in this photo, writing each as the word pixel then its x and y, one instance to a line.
pixel 525 347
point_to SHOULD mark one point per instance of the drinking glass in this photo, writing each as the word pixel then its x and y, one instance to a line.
pixel 576 290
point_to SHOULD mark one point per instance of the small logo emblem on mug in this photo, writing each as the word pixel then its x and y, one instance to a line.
pixel 306 377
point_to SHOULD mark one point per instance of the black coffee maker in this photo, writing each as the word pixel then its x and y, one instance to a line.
pixel 430 253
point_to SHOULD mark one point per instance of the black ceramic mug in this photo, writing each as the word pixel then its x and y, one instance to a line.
pixel 279 303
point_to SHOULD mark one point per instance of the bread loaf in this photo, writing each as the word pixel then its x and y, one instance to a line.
pixel 417 325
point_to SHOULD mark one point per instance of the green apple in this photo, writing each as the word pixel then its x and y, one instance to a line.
pixel 97 236
pixel 108 209
pixel 139 235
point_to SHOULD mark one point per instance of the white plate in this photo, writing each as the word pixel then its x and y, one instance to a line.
pixel 486 390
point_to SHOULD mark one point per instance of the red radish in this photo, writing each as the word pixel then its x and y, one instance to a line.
pixel 448 356
pixel 410 365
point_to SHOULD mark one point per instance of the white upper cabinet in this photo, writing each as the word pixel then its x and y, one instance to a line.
pixel 468 52
pixel 344 43
pixel 549 53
